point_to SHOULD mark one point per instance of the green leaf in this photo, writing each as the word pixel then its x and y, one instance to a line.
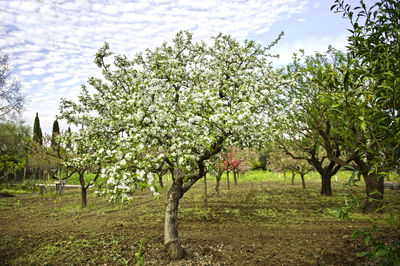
pixel 362 254
pixel 367 239
pixel 363 125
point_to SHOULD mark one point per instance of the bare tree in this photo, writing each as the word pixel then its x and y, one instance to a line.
pixel 11 99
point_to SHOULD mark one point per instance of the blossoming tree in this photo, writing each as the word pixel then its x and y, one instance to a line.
pixel 231 164
pixel 180 104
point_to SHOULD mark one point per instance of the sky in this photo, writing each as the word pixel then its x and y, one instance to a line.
pixel 51 43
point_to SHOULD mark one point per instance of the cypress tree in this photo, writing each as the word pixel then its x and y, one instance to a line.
pixel 54 134
pixel 37 131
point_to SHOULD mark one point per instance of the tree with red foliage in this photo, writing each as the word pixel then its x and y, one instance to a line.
pixel 231 164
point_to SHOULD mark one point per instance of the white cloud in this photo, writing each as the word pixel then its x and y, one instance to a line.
pixel 310 46
pixel 52 43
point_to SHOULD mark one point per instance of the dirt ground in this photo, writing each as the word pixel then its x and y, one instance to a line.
pixel 254 223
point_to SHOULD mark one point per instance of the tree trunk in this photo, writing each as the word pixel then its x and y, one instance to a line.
pixel 217 186
pixel 326 188
pixel 84 197
pixel 302 181
pixel 227 179
pixel 171 238
pixel 293 174
pixel 205 191
pixel 234 177
pixel 242 173
pixel 374 188
pixel 83 189
pixel 160 180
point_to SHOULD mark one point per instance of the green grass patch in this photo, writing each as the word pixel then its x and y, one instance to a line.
pixel 14 191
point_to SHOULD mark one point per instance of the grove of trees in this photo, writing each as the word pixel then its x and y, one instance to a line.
pixel 184 106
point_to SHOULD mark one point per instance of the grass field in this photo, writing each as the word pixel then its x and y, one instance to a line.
pixel 264 220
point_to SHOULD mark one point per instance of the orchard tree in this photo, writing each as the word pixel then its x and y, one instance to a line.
pixel 303 168
pixel 11 99
pixel 179 104
pixel 327 120
pixel 231 163
pixel 79 155
pixel 306 127
pixel 281 161
pixel 374 114
pixel 226 156
pixel 375 42
pixel 217 169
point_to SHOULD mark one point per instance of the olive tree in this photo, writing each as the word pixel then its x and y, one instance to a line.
pixel 180 104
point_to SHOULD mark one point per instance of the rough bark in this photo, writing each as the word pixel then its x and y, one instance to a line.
pixel 83 188
pixel 217 187
pixel 227 179
pixel 326 173
pixel 171 237
pixel 234 177
pixel 326 188
pixel 160 180
pixel 84 197
pixel 175 193
pixel 374 188
pixel 302 181
pixel 374 184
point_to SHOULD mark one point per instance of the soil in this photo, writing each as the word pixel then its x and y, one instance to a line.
pixel 253 223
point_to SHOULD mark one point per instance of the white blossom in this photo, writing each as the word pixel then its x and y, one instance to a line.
pixel 172 109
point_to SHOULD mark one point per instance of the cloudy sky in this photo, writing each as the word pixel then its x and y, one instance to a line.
pixel 52 43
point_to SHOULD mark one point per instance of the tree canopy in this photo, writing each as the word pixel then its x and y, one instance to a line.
pixel 179 104
pixel 374 43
